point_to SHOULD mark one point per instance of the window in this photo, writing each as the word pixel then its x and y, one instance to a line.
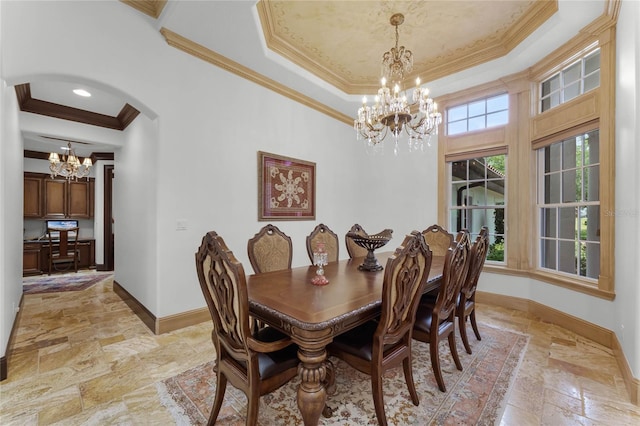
pixel 477 199
pixel 569 206
pixel 478 115
pixel 574 80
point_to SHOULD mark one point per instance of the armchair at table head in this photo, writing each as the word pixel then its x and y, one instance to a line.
pixel 438 239
pixel 436 320
pixel 67 253
pixel 322 234
pixel 270 250
pixel 256 364
pixel 354 249
pixel 379 345
pixel 466 305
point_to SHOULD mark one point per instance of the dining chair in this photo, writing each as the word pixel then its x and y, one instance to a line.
pixel 67 252
pixel 438 239
pixel 466 305
pixel 270 250
pixel 322 234
pixel 353 249
pixel 256 364
pixel 384 343
pixel 435 321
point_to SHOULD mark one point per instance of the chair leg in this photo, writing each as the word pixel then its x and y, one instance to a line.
pixel 253 403
pixel 408 377
pixel 378 401
pixel 474 324
pixel 454 350
pixel 221 387
pixel 435 364
pixel 462 326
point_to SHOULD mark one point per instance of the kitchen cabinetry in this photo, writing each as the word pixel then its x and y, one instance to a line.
pixel 31 259
pixel 48 198
pixel 35 256
pixel 33 195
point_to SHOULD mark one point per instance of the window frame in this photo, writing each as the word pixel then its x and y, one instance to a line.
pixel 527 130
pixel 468 117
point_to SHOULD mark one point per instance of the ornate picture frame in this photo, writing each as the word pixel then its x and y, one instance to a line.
pixel 286 188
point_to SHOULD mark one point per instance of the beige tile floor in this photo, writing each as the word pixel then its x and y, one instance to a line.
pixel 85 358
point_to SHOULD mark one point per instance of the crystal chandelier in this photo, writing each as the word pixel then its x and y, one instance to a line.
pixel 391 111
pixel 70 166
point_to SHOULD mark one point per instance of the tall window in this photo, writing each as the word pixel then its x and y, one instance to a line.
pixel 478 115
pixel 477 199
pixel 574 80
pixel 569 206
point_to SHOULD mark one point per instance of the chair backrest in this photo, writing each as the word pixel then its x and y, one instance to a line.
pixel 353 249
pixel 477 256
pixel 67 239
pixel 270 250
pixel 406 274
pixel 224 287
pixel 438 239
pixel 322 234
pixel 453 275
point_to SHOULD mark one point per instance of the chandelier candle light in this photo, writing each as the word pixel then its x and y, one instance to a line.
pixel 391 110
pixel 70 166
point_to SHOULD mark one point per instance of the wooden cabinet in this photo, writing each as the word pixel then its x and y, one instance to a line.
pixel 33 195
pixel 35 256
pixel 48 198
pixel 31 259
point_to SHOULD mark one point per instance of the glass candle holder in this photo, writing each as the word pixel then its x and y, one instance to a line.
pixel 319 260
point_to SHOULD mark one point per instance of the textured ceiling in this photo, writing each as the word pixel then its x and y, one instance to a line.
pixel 342 42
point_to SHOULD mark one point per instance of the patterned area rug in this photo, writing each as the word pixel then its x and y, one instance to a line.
pixel 475 396
pixel 67 282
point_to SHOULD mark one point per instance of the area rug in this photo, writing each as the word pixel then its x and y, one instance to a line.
pixel 67 282
pixel 475 396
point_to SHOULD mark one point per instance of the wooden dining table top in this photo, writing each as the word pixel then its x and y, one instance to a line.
pixel 291 293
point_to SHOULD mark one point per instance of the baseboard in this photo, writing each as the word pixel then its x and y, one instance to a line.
pixel 164 324
pixel 631 383
pixel 138 308
pixel 3 368
pixel 579 326
pixel 183 319
pixel 4 361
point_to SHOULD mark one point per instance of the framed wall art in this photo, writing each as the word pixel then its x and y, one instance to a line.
pixel 286 188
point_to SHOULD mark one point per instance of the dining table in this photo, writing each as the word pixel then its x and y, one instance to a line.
pixel 313 315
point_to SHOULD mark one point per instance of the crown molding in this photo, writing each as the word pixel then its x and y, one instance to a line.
pixel 199 51
pixel 50 109
pixel 152 8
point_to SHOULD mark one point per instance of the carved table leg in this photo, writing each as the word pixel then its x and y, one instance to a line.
pixel 312 395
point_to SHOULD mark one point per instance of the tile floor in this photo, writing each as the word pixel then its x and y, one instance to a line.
pixel 85 358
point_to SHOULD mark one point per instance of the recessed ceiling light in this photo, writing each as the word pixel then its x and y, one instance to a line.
pixel 82 92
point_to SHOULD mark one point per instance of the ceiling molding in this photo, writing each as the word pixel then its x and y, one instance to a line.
pixel 292 47
pixel 199 51
pixel 528 23
pixel 50 109
pixel 152 8
pixel 95 156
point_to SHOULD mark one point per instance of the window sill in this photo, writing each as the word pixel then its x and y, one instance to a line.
pixel 560 281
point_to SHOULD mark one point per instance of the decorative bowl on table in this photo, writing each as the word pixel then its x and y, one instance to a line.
pixel 371 243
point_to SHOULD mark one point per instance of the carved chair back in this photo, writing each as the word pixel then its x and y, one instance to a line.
pixel 270 250
pixel 353 249
pixel 438 239
pixel 322 234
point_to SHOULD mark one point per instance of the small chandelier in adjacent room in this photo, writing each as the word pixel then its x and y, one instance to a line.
pixel 70 166
pixel 391 111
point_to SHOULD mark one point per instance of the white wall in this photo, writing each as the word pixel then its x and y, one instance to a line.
pixel 625 308
pixel 197 160
pixel 11 204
